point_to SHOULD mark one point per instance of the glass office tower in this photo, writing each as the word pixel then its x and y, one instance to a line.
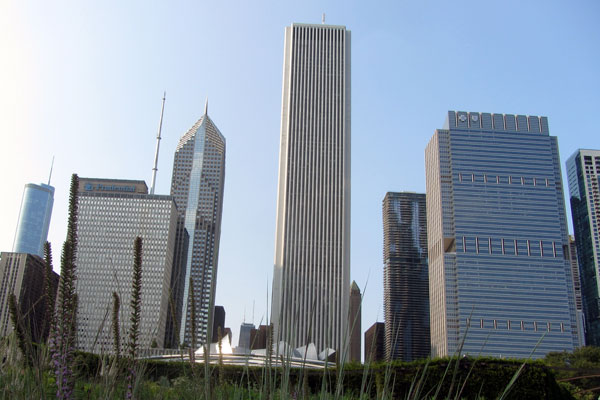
pixel 311 278
pixel 405 276
pixel 583 170
pixel 34 219
pixel 197 187
pixel 499 273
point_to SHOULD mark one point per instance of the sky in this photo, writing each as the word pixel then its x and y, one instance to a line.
pixel 83 81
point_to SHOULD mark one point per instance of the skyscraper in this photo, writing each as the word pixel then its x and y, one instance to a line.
pixel 197 186
pixel 583 169
pixel 111 214
pixel 24 275
pixel 405 277
pixel 34 219
pixel 497 238
pixel 311 279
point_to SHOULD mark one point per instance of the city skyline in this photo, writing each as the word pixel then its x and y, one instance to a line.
pixel 91 95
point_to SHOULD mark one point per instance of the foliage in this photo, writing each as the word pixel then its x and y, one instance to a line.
pixel 116 331
pixel 63 330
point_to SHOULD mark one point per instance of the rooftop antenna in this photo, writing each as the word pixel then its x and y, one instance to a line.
pixel 323 19
pixel 252 312
pixel 51 167
pixel 206 106
pixel 155 169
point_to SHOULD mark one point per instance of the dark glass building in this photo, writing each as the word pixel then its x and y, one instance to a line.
pixel 583 169
pixel 405 277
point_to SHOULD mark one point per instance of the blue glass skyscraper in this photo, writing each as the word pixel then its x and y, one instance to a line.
pixel 583 169
pixel 34 219
pixel 499 274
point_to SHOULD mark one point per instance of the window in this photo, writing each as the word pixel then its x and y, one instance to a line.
pixel 503 249
pixel 541 248
pixel 477 245
pixel 516 248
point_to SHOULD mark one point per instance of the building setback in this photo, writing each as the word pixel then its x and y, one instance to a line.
pixel 583 169
pixel 497 238
pixel 34 219
pixel 112 213
pixel 405 277
pixel 311 279
pixel 197 187
pixel 24 275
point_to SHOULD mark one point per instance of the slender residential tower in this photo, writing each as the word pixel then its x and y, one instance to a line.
pixel 583 169
pixel 405 276
pixel 499 272
pixel 311 279
pixel 197 187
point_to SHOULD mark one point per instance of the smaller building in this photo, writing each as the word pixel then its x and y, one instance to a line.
pixel 355 323
pixel 112 213
pixel 24 275
pixel 218 330
pixel 34 219
pixel 375 343
pixel 258 337
pixel 245 330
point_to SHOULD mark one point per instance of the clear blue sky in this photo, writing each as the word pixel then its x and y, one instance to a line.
pixel 83 81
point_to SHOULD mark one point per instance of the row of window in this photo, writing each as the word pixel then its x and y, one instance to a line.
pixel 514 325
pixel 511 180
pixel 511 247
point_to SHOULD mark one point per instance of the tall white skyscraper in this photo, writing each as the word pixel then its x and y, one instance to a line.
pixel 197 187
pixel 311 279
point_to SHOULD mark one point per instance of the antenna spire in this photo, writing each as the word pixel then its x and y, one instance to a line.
pixel 323 18
pixel 51 167
pixel 155 169
pixel 206 106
